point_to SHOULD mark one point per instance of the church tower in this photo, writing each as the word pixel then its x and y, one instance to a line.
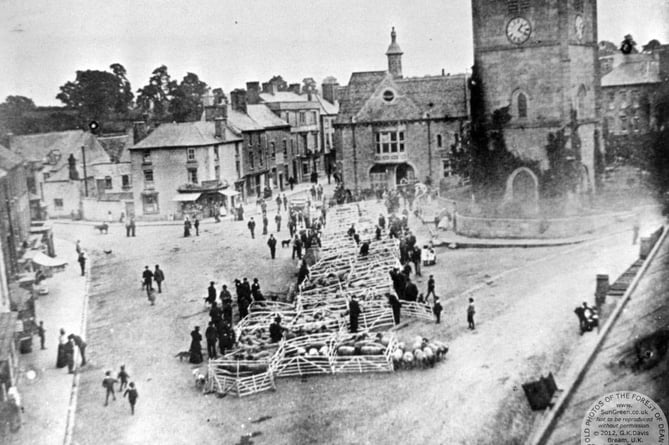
pixel 539 59
pixel 394 54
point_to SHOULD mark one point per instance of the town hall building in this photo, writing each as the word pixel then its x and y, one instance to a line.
pixel 392 129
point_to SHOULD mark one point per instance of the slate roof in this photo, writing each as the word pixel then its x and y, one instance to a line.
pixel 242 122
pixel 635 69
pixel 36 147
pixel 441 96
pixel 8 159
pixel 185 134
pixel 646 313
pixel 327 107
pixel 283 96
pixel 264 117
pixel 116 146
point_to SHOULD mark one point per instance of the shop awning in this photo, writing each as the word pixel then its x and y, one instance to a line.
pixel 46 261
pixel 185 197
pixel 230 193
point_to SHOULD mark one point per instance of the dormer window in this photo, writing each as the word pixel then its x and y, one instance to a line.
pixel 54 156
pixel 388 95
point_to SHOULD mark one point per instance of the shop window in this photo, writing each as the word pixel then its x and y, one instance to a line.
pixel 150 204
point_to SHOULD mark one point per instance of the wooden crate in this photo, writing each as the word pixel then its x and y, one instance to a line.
pixel 292 362
pixel 225 376
pixel 344 364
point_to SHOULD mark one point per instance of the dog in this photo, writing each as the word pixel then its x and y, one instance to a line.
pixel 104 227
pixel 182 355
pixel 200 379
pixel 285 243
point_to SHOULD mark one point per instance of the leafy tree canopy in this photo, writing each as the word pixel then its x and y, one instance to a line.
pixel 651 46
pixel 97 94
pixel 186 102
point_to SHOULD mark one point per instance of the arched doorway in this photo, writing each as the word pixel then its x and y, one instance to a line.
pixel 406 172
pixel 522 186
pixel 379 176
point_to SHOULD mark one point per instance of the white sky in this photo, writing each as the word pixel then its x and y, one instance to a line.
pixel 43 42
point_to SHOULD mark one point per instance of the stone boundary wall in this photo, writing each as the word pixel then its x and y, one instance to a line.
pixel 535 228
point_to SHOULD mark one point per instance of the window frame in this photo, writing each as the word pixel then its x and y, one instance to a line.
pixel 190 154
pixel 192 175
pixel 58 203
pixel 148 173
pixel 109 185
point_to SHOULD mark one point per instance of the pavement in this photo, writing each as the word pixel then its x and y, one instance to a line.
pixel 49 394
pixel 47 398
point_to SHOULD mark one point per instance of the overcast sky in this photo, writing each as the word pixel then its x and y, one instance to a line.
pixel 43 42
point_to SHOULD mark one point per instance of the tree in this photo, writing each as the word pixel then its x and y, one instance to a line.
pixel 309 85
pixel 186 101
pixel 651 46
pixel 13 115
pixel 95 95
pixel 125 90
pixel 606 48
pixel 219 96
pixel 628 45
pixel 155 97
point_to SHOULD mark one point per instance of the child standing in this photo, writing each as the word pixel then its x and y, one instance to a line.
pixel 132 396
pixel 108 384
pixel 41 332
pixel 436 309
pixel 123 378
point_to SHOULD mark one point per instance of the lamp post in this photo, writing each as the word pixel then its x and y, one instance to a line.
pixel 83 158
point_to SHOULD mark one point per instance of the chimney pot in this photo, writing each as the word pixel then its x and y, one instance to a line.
pixel 219 127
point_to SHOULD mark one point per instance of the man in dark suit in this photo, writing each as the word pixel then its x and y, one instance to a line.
pixel 271 242
pixel 354 313
pixel 147 275
pixel 158 277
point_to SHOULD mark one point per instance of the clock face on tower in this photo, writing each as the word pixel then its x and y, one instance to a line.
pixel 518 30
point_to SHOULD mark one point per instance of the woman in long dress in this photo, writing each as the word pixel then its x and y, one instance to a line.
pixel 61 360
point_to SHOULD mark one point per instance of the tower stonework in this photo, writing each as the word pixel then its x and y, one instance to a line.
pixel 539 58
pixel 394 55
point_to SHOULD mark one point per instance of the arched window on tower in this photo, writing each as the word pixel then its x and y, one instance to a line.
pixel 522 106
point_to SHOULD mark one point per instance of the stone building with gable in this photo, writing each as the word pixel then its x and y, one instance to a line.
pixel 392 128
pixel 629 86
